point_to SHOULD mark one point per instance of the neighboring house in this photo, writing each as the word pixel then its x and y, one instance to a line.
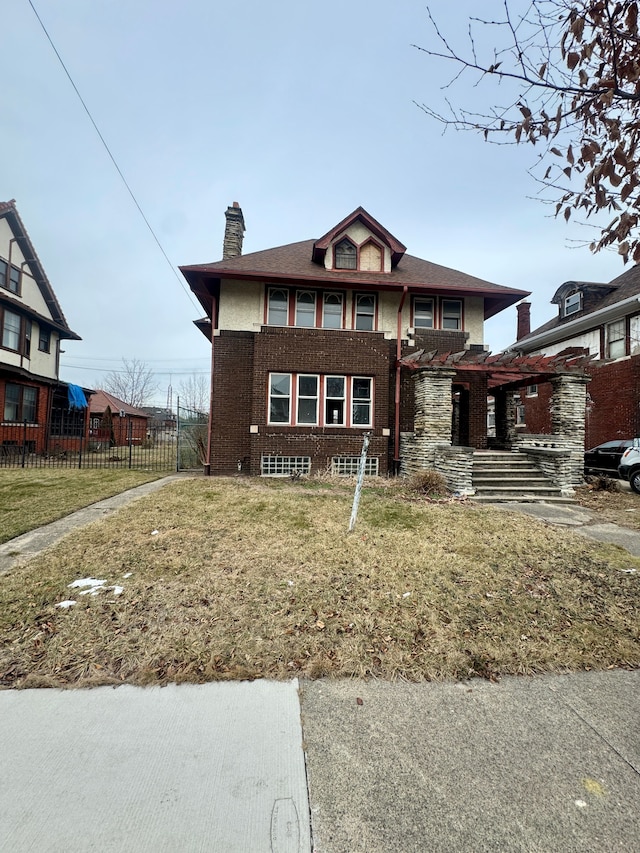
pixel 161 424
pixel 40 413
pixel 114 422
pixel 597 319
pixel 307 343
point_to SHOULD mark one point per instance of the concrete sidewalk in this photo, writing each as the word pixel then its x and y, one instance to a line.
pixel 544 764
pixel 529 764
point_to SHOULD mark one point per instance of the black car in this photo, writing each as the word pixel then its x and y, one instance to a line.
pixel 604 459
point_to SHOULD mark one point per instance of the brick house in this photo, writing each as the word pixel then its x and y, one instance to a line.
pixel 114 422
pixel 307 342
pixel 597 319
pixel 40 413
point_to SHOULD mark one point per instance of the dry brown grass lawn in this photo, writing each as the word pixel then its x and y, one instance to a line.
pixel 619 507
pixel 31 497
pixel 230 579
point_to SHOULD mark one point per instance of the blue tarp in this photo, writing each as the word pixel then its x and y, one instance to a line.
pixel 77 400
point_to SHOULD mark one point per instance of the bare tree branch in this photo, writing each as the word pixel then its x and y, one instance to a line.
pixel 573 69
pixel 134 384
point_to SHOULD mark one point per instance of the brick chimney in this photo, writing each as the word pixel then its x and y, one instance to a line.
pixel 233 232
pixel 524 320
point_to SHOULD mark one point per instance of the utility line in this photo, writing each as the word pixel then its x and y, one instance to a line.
pixel 113 159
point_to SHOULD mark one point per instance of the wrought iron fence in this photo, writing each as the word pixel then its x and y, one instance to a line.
pixel 173 444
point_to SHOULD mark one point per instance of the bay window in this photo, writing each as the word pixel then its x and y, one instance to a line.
pixel 11 330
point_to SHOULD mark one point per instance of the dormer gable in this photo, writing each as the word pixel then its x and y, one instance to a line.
pixel 358 243
pixel 575 297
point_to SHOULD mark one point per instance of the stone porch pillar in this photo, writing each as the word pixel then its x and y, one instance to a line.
pixel 433 412
pixel 505 418
pixel 568 410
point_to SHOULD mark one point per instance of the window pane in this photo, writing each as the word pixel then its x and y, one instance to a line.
pixel 423 313
pixel 279 410
pixel 451 314
pixel 278 308
pixel 365 311
pixel 11 402
pixel 335 386
pixel 308 386
pixel 346 256
pixel 11 330
pixel 307 410
pixel 3 273
pixel 44 341
pixel 361 414
pixel 334 413
pixel 332 317
pixel 29 404
pixel 280 384
pixel 361 389
pixel 14 280
pixel 306 309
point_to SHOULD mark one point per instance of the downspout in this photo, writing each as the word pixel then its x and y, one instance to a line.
pixel 207 467
pixel 396 437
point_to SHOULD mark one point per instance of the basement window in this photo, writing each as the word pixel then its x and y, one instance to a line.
pixel 284 466
pixel 348 466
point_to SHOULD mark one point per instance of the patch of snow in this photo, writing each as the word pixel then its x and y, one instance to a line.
pixel 86 582
pixel 117 590
pixel 155 532
pixel 127 574
pixel 66 604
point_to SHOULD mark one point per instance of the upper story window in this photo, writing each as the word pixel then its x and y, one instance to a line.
pixel 365 312
pixel 423 313
pixel 346 255
pixel 616 339
pixel 278 311
pixel 305 308
pixel 451 314
pixel 572 304
pixel 44 340
pixel 10 326
pixel 332 311
pixel 370 258
pixel 9 277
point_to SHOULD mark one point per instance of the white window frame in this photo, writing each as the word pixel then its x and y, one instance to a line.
pixel 572 303
pixel 273 396
pixel 10 333
pixel 361 401
pixel 270 320
pixel 350 402
pixel 315 397
pixel 341 402
pixel 521 415
pixel 532 390
pixel 448 314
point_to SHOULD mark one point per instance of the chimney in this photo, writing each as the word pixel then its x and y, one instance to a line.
pixel 233 232
pixel 524 320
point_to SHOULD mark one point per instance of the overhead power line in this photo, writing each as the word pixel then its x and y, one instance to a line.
pixel 112 158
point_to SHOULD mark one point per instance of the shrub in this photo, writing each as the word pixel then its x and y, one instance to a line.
pixel 429 483
pixel 603 484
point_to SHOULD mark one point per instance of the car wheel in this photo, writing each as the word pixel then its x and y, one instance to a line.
pixel 634 481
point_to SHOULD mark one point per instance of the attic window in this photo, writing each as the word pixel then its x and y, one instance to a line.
pixel 573 303
pixel 346 256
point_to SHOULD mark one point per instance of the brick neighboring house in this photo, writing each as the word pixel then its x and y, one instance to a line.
pixel 40 413
pixel 114 422
pixel 307 341
pixel 601 320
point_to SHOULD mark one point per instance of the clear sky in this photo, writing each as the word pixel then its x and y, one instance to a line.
pixel 299 111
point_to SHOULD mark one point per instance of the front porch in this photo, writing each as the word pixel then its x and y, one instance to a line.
pixel 450 392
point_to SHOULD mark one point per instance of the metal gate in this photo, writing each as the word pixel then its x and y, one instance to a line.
pixel 192 431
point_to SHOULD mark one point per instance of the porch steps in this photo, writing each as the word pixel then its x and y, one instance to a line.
pixel 501 476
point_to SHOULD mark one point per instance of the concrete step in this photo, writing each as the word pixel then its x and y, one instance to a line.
pixel 523 499
pixel 503 477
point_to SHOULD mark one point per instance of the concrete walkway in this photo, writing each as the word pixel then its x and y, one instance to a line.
pixel 550 763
